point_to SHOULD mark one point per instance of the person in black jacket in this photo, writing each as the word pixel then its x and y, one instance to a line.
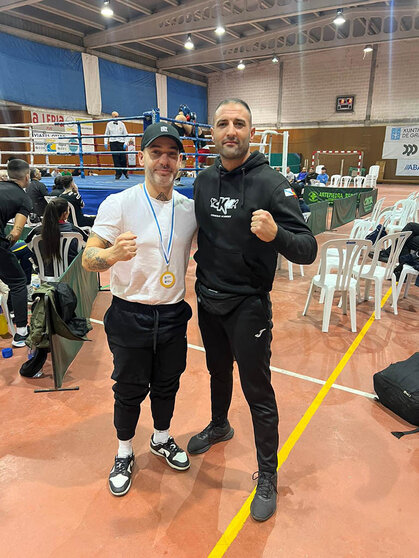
pixel 15 204
pixel 36 191
pixel 53 224
pixel 246 213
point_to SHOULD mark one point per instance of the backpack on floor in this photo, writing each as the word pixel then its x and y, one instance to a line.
pixel 397 387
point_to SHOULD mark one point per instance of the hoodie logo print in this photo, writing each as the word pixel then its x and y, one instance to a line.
pixel 224 204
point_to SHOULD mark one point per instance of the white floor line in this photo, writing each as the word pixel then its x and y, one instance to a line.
pixel 288 373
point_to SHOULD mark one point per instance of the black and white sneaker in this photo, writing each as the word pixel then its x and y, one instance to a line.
pixel 19 340
pixel 120 475
pixel 175 456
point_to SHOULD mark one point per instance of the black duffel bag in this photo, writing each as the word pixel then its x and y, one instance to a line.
pixel 397 387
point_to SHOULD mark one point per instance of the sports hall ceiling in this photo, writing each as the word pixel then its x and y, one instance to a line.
pixel 151 33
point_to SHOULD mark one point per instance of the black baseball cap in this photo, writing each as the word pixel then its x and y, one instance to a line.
pixel 158 130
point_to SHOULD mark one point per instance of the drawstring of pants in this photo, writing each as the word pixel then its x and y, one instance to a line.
pixel 155 329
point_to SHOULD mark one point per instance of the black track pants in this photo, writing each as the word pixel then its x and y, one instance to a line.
pixel 119 159
pixel 149 352
pixel 244 334
pixel 13 275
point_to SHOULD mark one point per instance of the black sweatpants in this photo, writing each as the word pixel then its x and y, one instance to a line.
pixel 244 334
pixel 119 159
pixel 12 274
pixel 149 353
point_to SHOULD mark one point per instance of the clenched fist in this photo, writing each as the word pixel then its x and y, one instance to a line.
pixel 125 247
pixel 263 225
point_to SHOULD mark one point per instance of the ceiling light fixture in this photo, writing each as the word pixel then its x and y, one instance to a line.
pixel 339 19
pixel 241 65
pixel 106 11
pixel 220 30
pixel 275 59
pixel 367 48
pixel 189 44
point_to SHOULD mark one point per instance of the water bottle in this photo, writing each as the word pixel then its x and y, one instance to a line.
pixel 4 328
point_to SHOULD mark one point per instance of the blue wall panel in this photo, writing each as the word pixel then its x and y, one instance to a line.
pixel 183 93
pixel 126 90
pixel 40 75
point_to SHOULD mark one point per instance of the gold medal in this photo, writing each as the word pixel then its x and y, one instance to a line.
pixel 167 279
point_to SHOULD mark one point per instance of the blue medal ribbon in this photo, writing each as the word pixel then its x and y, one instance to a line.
pixel 166 253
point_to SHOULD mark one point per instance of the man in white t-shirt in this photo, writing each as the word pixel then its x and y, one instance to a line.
pixel 144 235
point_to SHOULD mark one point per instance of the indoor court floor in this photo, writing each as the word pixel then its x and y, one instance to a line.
pixel 347 487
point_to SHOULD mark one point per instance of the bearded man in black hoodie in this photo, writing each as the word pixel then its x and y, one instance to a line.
pixel 247 214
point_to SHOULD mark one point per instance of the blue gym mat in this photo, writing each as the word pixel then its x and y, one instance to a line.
pixel 94 189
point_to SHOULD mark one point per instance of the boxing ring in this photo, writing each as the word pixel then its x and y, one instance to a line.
pixel 94 189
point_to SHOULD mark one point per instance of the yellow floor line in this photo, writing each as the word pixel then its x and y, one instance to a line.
pixel 240 518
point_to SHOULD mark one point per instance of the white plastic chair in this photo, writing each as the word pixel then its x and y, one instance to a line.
pixel 290 270
pixel 59 266
pixel 345 181
pixel 335 180
pixel 379 273
pixel 370 181
pixel 374 170
pixel 399 219
pixel 407 273
pixel 4 295
pixel 358 181
pixel 359 231
pixel 351 252
pixel 85 228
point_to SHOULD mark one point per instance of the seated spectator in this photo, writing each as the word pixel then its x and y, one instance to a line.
pixel 71 194
pixel 410 246
pixel 302 175
pixel 56 172
pixel 311 175
pixel 45 172
pixel 323 177
pixel 36 191
pixel 58 187
pixel 76 172
pixel 55 222
pixel 289 175
pixel 3 175
pixel 65 172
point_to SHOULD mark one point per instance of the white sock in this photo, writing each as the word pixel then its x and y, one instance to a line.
pixel 22 330
pixel 160 436
pixel 125 448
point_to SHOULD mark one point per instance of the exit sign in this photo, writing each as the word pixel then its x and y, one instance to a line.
pixel 345 103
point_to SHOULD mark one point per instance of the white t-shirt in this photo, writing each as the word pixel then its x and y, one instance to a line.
pixel 138 280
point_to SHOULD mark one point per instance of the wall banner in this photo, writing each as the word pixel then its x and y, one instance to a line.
pixel 401 142
pixel 46 137
pixel 407 168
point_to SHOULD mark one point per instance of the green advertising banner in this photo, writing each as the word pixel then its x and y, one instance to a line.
pixel 85 286
pixel 344 211
pixel 367 200
pixel 314 194
pixel 318 217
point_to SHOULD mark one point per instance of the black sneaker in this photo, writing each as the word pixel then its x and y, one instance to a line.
pixel 263 505
pixel 120 475
pixel 212 434
pixel 175 456
pixel 19 340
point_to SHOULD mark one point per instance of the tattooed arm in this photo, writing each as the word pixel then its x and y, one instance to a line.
pixel 100 255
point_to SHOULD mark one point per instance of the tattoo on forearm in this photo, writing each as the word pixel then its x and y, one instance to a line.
pixel 162 197
pixel 94 261
pixel 106 242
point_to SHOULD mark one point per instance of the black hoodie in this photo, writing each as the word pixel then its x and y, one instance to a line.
pixel 230 258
